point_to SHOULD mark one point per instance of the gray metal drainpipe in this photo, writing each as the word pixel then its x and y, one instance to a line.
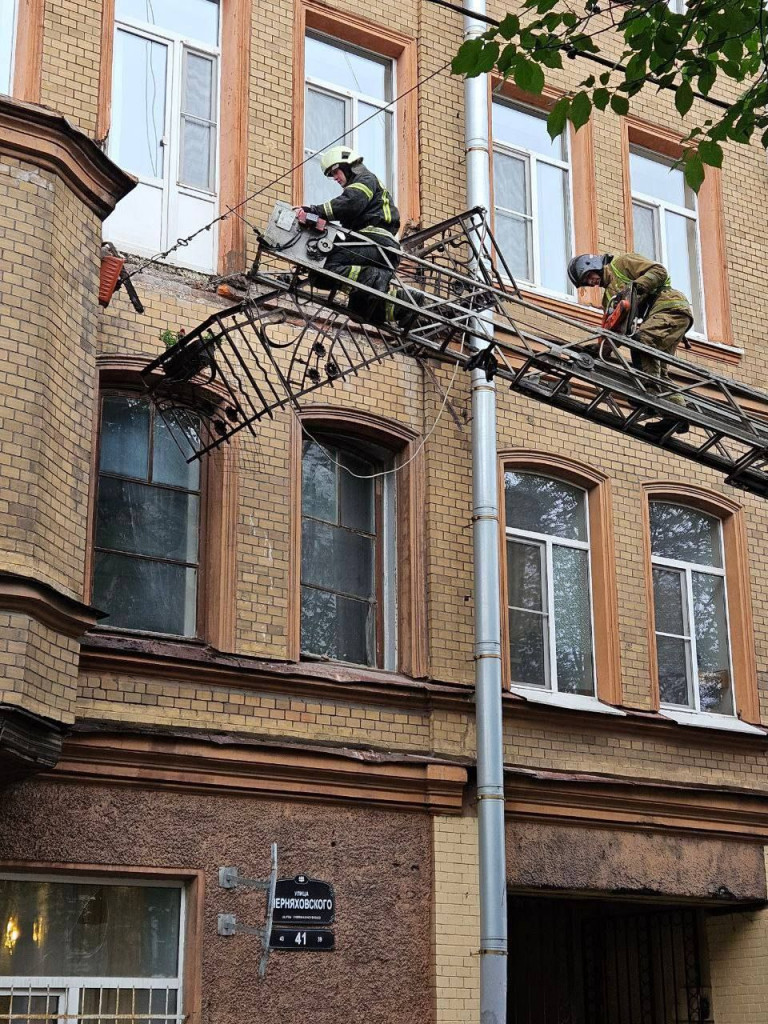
pixel 487 648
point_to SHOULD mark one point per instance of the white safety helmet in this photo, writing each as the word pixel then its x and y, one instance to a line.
pixel 338 156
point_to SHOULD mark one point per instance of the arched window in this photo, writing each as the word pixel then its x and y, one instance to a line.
pixel 357 563
pixel 700 633
pixel 562 630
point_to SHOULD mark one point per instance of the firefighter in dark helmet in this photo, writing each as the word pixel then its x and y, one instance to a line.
pixel 365 206
pixel 667 312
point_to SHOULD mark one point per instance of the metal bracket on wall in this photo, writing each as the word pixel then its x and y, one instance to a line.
pixel 227 924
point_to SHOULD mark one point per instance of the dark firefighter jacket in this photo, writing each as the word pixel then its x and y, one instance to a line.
pixel 649 277
pixel 364 205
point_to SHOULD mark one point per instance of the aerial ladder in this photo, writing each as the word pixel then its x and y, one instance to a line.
pixel 452 299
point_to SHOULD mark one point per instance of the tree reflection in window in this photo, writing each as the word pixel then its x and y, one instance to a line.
pixel 548 584
pixel 690 609
pixel 147 521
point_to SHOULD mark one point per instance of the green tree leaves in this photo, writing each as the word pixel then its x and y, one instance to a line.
pixel 688 53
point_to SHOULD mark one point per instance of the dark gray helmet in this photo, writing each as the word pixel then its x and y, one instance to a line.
pixel 579 266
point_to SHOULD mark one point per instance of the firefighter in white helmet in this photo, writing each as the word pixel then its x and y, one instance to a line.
pixel 365 206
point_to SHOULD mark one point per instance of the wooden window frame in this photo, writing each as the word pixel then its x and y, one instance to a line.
pixel 233 117
pixel 735 553
pixel 217 554
pixel 379 39
pixel 408 459
pixel 714 268
pixel 193 883
pixel 581 147
pixel 28 51
pixel 602 564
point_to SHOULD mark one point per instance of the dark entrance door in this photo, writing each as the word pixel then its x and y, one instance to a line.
pixel 585 962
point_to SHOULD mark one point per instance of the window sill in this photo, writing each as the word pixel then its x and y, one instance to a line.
pixel 575 701
pixel 706 720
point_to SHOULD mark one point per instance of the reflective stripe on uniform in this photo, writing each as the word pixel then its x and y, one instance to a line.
pixel 328 209
pixel 386 209
pixel 373 230
pixel 363 188
pixel 351 272
pixel 623 279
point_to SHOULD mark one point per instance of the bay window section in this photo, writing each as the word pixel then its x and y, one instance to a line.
pixel 165 101
pixel 665 221
pixel 532 198
pixel 90 950
pixel 344 86
pixel 348 566
pixel 8 16
pixel 690 609
pixel 548 585
pixel 146 549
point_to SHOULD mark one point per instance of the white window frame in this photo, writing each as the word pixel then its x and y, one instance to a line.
pixel 546 542
pixel 532 159
pixel 177 46
pixel 12 28
pixel 659 209
pixel 689 637
pixel 352 100
pixel 68 987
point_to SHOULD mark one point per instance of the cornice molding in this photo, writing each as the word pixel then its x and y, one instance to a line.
pixel 46 605
pixel 48 140
pixel 607 802
pixel 166 762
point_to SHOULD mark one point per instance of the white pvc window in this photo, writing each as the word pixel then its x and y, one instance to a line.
pixel 8 15
pixel 666 225
pixel 88 950
pixel 548 585
pixel 532 198
pixel 345 85
pixel 165 103
pixel 691 609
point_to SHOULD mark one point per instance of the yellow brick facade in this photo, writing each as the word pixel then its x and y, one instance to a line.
pixel 59 345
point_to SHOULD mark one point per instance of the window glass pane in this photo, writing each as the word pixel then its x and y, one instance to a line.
pixel 124 436
pixel 711 643
pixel 337 627
pixel 682 259
pixel 318 482
pixel 668 601
pixel 554 227
pixel 524 575
pixel 134 1005
pixel 347 69
pixel 525 130
pixel 543 505
pixel 356 495
pixel 138 104
pixel 192 19
pixel 142 594
pixel 673 671
pixel 573 625
pixel 644 219
pixel 685 534
pixel 197 143
pixel 510 183
pixel 325 119
pixel 90 930
pixel 513 235
pixel 336 559
pixel 147 520
pixel 656 177
pixel 199 91
pixel 7 26
pixel 170 464
pixel 527 645
pixel 374 142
